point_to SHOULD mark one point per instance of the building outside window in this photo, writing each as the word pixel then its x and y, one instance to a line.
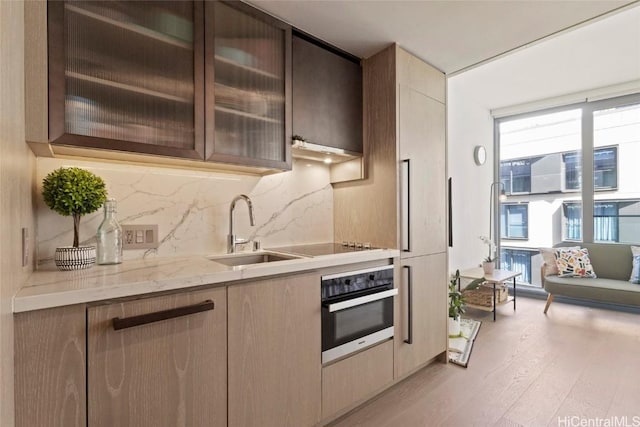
pixel 515 175
pixel 605 169
pixel 616 221
pixel 514 221
pixel 572 221
pixel 517 260
pixel 572 170
pixel 541 156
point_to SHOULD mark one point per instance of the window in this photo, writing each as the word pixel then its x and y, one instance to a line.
pixel 517 260
pixel 515 175
pixel 613 221
pixel 572 171
pixel 605 222
pixel 514 221
pixel 572 221
pixel 605 169
pixel 541 167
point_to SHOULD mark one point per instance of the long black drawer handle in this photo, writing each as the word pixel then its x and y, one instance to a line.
pixel 143 319
pixel 409 339
pixel 406 205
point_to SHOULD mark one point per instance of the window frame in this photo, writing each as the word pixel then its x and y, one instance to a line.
pixel 587 192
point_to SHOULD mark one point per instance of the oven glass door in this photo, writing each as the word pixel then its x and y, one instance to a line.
pixel 349 324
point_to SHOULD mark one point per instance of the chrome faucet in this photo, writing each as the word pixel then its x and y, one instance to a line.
pixel 232 240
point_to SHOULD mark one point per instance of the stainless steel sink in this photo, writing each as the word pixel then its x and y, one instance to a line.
pixel 252 258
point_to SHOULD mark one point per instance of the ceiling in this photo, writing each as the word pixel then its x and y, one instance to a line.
pixel 451 35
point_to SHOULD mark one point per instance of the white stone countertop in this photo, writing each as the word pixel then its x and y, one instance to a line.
pixel 49 287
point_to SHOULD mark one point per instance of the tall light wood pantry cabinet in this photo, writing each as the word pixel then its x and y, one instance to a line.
pixel 402 202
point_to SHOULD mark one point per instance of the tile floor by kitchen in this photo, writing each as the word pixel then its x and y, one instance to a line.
pixel 526 369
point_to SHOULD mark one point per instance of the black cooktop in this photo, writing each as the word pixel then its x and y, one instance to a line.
pixel 318 249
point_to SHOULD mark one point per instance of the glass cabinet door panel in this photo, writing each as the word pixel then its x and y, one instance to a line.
pixel 131 73
pixel 249 63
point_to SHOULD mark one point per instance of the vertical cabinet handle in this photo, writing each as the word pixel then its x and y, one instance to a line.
pixel 450 208
pixel 143 319
pixel 409 339
pixel 405 172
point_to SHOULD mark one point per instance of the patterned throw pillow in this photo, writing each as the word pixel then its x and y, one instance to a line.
pixel 635 273
pixel 549 258
pixel 574 263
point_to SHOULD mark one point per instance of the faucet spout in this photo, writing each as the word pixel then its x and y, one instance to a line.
pixel 232 240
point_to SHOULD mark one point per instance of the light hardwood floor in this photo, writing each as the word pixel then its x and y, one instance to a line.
pixel 526 369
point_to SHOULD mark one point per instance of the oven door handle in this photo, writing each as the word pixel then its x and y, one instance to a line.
pixel 361 300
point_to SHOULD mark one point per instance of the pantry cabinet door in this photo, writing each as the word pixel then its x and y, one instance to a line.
pixel 423 173
pixel 421 320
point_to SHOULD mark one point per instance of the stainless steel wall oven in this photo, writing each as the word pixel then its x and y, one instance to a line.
pixel 357 310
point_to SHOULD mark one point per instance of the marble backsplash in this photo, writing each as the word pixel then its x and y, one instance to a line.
pixel 191 208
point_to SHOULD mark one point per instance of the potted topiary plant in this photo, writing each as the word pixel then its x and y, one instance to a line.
pixel 74 192
pixel 456 302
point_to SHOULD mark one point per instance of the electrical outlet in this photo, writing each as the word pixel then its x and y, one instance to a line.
pixel 136 236
pixel 128 236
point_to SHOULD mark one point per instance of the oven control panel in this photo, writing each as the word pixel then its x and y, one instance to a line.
pixel 350 284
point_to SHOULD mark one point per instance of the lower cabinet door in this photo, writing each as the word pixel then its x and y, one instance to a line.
pixel 274 352
pixel 421 320
pixel 162 363
pixel 351 381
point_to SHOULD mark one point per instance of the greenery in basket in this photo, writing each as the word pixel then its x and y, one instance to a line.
pixel 456 298
pixel 73 192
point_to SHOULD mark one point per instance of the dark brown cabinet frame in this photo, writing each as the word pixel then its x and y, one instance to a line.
pixel 209 11
pixel 204 79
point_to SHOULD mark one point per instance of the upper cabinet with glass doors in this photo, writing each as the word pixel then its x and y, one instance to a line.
pixel 127 76
pixel 205 81
pixel 248 57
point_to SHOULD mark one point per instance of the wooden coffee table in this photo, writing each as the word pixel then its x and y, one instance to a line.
pixel 496 278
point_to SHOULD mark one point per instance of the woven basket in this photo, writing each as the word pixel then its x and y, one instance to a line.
pixel 483 295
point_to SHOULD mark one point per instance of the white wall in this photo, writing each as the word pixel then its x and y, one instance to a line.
pixel 603 53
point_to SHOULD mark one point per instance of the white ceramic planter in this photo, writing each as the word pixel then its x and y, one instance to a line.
pixel 68 258
pixel 488 267
pixel 454 326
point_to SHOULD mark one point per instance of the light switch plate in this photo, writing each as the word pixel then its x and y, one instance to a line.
pixel 135 236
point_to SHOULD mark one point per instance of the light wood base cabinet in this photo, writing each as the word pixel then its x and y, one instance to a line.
pixel 274 352
pixel 165 373
pixel 50 367
pixel 353 380
pixel 421 312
